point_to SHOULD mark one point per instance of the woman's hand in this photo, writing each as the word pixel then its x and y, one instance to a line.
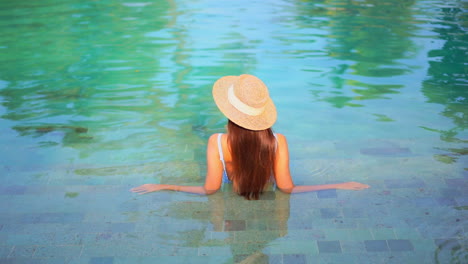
pixel 352 186
pixel 147 188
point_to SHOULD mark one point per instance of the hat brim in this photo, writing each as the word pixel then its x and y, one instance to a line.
pixel 259 122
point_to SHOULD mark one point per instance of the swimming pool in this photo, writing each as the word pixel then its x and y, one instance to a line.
pixel 97 97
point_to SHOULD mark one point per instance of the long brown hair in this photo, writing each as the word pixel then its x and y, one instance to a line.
pixel 253 156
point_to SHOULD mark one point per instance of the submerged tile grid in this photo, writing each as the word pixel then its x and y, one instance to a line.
pixel 400 219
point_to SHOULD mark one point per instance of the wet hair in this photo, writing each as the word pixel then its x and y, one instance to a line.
pixel 253 156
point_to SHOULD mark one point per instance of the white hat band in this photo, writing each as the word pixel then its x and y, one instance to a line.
pixel 239 105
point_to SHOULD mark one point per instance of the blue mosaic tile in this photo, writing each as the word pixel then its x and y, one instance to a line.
pixel 3 239
pixel 294 259
pixel 275 259
pixel 386 151
pixel 128 206
pixel 123 249
pixel 330 213
pixel 462 201
pixel 345 223
pixel 174 259
pixel 100 227
pixel 450 193
pixel 404 183
pixel 343 258
pixel 50 218
pixel 78 260
pixel 423 245
pixel 329 246
pixel 457 183
pixel 13 228
pixel 23 251
pixel 400 245
pixel 13 190
pixel 376 245
pixel 102 237
pixel 438 231
pixel 353 246
pixel 57 251
pixel 66 238
pixel 464 173
pixel 59 217
pixel 359 234
pixel 353 212
pixel 58 260
pixel 383 233
pixel 101 260
pixel 326 194
pixel 446 201
pixel 27 218
pixel 424 201
pixel 5 251
pixel 335 234
pixel 296 223
pixel 31 239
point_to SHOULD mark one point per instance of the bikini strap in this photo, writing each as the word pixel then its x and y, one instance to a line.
pixel 276 142
pixel 220 150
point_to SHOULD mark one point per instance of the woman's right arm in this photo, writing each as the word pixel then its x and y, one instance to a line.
pixel 213 175
pixel 285 182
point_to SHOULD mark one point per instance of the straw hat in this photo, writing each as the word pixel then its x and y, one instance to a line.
pixel 245 101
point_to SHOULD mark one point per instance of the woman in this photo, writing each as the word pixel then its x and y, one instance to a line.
pixel 249 156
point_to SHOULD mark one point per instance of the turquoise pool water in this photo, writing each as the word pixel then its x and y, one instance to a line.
pixel 97 97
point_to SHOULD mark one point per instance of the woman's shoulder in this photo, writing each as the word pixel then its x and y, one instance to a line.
pixel 280 136
pixel 213 137
pixel 212 144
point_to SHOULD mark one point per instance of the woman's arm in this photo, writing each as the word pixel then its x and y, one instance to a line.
pixel 311 188
pixel 150 187
pixel 284 180
pixel 212 181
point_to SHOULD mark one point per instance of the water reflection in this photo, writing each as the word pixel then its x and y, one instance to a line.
pixel 88 70
pixel 108 77
pixel 244 227
pixel 447 83
pixel 368 41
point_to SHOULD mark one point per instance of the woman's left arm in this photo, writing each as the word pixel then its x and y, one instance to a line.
pixel 213 176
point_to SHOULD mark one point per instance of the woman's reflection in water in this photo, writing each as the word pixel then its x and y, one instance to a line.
pixel 228 220
pixel 249 225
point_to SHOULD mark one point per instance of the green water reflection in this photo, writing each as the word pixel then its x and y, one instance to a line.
pixel 122 80
pixel 446 83
pixel 369 38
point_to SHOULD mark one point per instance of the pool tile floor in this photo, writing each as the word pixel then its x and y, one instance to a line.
pixel 402 218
